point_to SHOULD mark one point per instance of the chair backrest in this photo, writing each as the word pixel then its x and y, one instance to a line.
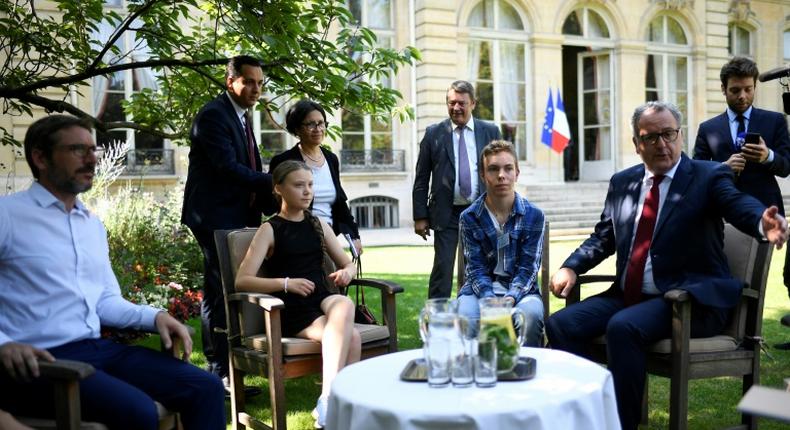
pixel 232 246
pixel 749 261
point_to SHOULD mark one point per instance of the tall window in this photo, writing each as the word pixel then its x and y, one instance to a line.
pixel 497 68
pixel 585 22
pixel 786 41
pixel 272 138
pixel 739 40
pixel 147 153
pixel 668 65
pixel 363 136
pixel 110 92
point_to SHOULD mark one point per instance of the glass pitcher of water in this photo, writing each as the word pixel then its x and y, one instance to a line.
pixel 496 321
pixel 438 318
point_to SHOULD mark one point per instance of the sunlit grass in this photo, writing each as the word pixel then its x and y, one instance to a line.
pixel 712 402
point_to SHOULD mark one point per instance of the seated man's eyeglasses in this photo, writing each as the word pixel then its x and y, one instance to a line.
pixel 668 136
pixel 315 125
pixel 82 151
pixel 460 104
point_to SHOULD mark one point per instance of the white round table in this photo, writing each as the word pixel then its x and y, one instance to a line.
pixel 568 392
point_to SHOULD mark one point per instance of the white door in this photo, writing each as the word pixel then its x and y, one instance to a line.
pixel 596 145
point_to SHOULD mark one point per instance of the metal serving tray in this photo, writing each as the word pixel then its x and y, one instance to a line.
pixel 417 371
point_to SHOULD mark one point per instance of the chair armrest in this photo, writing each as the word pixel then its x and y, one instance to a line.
pixel 677 295
pixel 266 301
pixel 574 295
pixel 380 284
pixel 589 279
pixel 65 369
pixel 750 293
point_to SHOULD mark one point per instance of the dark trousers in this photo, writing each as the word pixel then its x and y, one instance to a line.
pixel 629 331
pixel 212 308
pixel 121 393
pixel 445 244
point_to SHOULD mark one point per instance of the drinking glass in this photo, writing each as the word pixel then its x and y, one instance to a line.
pixel 437 357
pixel 464 351
pixel 486 363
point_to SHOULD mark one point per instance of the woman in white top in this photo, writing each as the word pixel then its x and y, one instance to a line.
pixel 307 121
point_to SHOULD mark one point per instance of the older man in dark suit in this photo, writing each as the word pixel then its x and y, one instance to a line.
pixel 223 181
pixel 663 219
pixel 449 153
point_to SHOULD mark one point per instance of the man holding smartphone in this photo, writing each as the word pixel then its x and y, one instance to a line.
pixel 753 142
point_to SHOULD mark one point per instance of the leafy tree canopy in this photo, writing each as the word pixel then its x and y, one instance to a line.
pixel 309 49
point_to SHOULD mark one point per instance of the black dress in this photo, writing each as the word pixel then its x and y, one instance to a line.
pixel 297 254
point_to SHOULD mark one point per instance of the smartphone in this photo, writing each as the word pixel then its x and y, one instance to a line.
pixel 752 138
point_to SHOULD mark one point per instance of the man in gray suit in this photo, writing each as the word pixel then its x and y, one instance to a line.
pixel 449 153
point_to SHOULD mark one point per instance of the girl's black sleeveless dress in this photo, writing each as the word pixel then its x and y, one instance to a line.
pixel 297 254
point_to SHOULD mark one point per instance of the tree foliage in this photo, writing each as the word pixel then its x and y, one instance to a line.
pixel 309 49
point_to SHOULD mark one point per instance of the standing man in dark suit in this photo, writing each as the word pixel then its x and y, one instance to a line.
pixel 449 153
pixel 663 219
pixel 223 182
pixel 756 165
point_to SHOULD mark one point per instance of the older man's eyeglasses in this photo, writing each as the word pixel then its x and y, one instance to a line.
pixel 668 136
pixel 82 151
pixel 315 125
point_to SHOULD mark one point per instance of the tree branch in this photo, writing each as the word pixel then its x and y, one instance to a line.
pixel 61 106
pixel 82 76
pixel 119 32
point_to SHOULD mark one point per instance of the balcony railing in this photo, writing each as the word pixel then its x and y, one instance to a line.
pixel 374 160
pixel 149 162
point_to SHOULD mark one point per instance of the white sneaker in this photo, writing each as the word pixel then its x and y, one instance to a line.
pixel 319 413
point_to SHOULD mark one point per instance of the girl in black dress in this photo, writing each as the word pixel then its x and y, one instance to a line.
pixel 290 247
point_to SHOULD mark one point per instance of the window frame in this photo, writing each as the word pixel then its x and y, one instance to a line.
pixel 732 48
pixel 367 132
pixel 666 50
pixel 128 87
pixel 495 37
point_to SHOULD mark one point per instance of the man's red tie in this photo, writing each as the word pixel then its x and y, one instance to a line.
pixel 250 141
pixel 644 235
pixel 250 149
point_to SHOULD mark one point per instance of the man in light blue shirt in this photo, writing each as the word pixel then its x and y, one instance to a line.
pixel 57 288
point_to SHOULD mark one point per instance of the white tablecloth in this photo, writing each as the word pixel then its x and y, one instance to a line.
pixel 568 392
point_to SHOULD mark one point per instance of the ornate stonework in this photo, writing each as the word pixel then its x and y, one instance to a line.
pixel 674 4
pixel 741 10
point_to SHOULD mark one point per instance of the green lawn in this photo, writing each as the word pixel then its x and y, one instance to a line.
pixel 712 402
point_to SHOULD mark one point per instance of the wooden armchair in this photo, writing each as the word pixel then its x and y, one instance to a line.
pixel 736 352
pixel 65 376
pixel 255 340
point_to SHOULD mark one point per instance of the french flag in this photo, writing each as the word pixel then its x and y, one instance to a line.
pixel 556 130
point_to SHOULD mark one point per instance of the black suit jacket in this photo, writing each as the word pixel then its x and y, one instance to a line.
pixel 436 164
pixel 714 142
pixel 687 247
pixel 220 181
pixel 342 220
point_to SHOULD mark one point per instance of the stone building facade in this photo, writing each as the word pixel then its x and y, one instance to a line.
pixel 604 57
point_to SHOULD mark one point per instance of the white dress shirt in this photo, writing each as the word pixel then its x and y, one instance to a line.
pixel 240 112
pixel 471 152
pixel 56 282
